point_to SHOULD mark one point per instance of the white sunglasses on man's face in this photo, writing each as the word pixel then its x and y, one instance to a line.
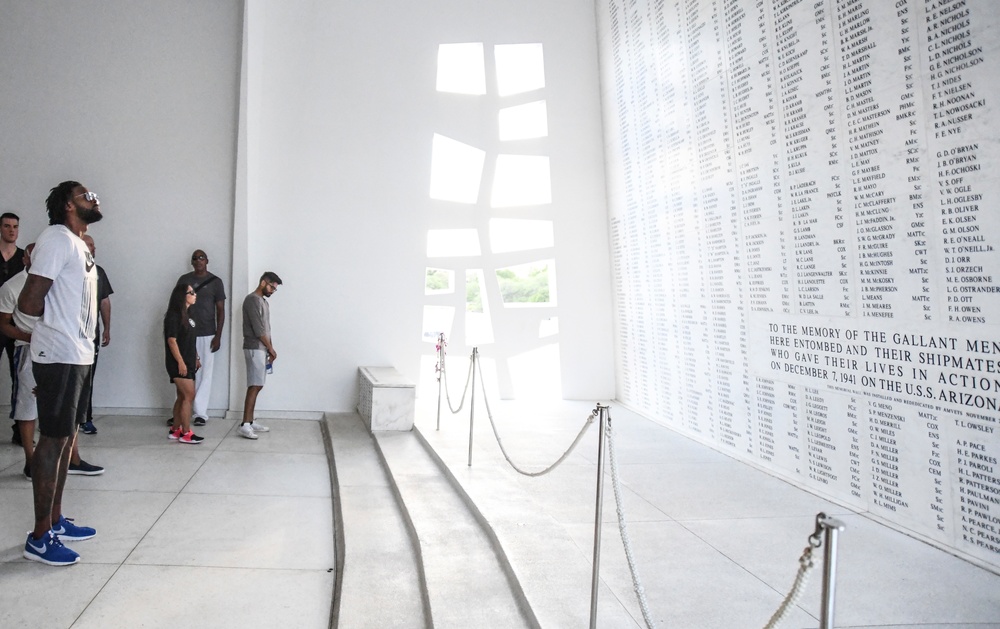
pixel 89 196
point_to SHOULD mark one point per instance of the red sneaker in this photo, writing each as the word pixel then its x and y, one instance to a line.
pixel 190 437
pixel 175 433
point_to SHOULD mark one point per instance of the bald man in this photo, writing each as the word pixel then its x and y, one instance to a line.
pixel 209 315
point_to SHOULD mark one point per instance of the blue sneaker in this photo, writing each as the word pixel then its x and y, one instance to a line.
pixel 89 428
pixel 49 550
pixel 65 529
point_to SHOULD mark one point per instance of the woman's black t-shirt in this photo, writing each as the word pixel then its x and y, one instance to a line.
pixel 175 327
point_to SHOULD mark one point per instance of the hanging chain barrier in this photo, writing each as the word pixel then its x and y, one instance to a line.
pixel 586 424
pixel 474 367
pixel 442 377
pixel 806 564
pixel 824 535
pixel 827 528
pixel 616 484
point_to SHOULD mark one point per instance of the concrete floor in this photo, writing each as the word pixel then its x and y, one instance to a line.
pixel 716 542
pixel 228 533
pixel 238 533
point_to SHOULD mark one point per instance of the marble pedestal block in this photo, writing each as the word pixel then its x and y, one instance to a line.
pixel 386 400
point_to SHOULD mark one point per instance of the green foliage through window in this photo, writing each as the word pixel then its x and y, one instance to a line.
pixel 437 280
pixel 473 292
pixel 527 284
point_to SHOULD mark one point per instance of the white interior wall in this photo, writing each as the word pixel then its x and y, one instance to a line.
pixel 138 101
pixel 316 167
pixel 341 148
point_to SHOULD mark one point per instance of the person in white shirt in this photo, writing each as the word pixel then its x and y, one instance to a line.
pixel 18 326
pixel 24 412
pixel 61 290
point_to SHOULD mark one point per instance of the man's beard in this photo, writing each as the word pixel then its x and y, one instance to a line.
pixel 88 215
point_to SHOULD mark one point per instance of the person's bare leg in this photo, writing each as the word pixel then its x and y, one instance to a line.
pixel 27 432
pixel 61 478
pixel 74 456
pixel 46 461
pixel 182 407
pixel 177 409
pixel 250 403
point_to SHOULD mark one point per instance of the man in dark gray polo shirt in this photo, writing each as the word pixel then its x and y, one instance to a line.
pixel 209 315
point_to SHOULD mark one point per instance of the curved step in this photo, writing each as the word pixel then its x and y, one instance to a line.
pixel 379 582
pixel 469 583
pixel 552 569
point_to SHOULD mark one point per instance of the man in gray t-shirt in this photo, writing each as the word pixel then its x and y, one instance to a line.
pixel 209 315
pixel 257 348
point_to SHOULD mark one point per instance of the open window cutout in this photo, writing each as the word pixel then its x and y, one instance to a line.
pixel 456 170
pixel 437 320
pixel 439 281
pixel 516 234
pixel 523 122
pixel 548 327
pixel 528 285
pixel 478 323
pixel 521 180
pixel 452 243
pixel 460 69
pixel 520 68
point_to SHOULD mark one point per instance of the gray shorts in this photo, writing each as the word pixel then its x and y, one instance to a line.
pixel 256 366
pixel 63 391
pixel 23 394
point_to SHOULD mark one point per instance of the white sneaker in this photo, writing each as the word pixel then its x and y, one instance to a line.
pixel 246 431
pixel 258 428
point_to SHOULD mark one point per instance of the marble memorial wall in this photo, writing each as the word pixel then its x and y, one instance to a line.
pixel 806 242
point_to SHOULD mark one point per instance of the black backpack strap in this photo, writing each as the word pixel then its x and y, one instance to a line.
pixel 206 283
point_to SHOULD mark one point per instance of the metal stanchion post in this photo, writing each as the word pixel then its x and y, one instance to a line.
pixel 603 417
pixel 831 528
pixel 472 400
pixel 440 374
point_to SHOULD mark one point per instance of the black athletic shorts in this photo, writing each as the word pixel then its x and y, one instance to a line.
pixel 62 394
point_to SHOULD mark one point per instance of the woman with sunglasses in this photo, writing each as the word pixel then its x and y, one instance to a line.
pixel 181 359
